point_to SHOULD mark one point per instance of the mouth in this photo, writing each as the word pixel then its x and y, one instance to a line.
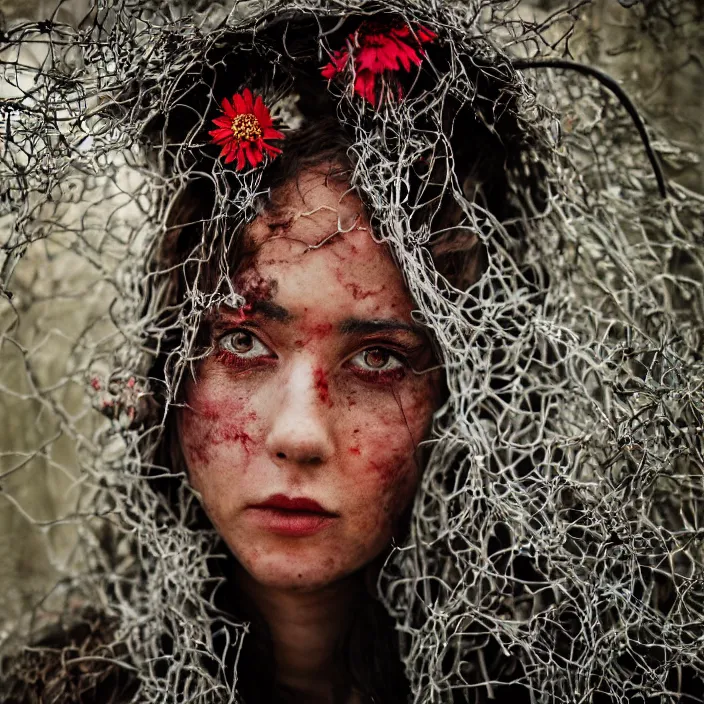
pixel 293 517
pixel 280 502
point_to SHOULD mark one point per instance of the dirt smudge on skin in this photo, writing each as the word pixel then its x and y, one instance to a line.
pixel 321 385
pixel 314 331
pixel 396 476
pixel 359 293
pixel 253 287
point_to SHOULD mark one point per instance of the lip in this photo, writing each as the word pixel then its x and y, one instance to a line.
pixel 279 501
pixel 293 517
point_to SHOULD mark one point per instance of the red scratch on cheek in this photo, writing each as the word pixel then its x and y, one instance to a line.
pixel 198 450
pixel 355 451
pixel 233 433
pixel 208 430
pixel 321 384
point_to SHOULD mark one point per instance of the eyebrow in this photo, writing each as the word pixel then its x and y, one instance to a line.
pixel 360 326
pixel 349 326
pixel 268 309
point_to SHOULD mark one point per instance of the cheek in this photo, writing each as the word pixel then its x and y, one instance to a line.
pixel 382 450
pixel 216 429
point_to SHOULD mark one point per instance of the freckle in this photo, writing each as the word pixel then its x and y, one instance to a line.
pixel 356 430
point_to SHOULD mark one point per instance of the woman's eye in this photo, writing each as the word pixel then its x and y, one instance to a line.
pixel 243 343
pixel 377 359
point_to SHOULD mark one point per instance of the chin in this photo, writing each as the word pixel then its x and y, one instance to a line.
pixel 288 574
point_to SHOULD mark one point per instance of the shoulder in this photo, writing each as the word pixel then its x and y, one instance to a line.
pixel 77 662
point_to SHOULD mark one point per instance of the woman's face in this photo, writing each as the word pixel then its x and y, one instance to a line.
pixel 301 428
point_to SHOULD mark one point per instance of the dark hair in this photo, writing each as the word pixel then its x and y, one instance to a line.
pixel 369 650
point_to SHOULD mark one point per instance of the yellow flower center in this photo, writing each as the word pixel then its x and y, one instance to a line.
pixel 246 127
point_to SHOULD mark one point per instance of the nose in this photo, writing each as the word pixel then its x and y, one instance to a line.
pixel 300 431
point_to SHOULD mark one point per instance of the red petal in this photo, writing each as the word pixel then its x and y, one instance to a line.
pixel 240 157
pixel 367 60
pixel 248 101
pixel 425 35
pixel 391 57
pixel 240 105
pixel 254 154
pixel 380 60
pixel 261 112
pixel 401 32
pixel 328 71
pixel 221 135
pixel 224 122
pixel 336 65
pixel 229 152
pixel 271 133
pixel 270 148
pixel 364 85
pixel 227 108
pixel 407 56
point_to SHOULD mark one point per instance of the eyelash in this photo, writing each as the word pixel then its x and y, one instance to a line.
pixel 237 361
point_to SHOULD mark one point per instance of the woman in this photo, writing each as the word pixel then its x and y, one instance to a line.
pixel 369 453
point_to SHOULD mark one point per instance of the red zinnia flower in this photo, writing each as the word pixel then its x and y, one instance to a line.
pixel 378 48
pixel 243 129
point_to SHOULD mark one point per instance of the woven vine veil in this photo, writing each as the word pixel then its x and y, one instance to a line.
pixel 556 538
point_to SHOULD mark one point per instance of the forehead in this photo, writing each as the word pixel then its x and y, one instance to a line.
pixel 316 242
pixel 308 207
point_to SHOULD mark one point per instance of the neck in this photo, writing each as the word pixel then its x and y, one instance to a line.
pixel 305 629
